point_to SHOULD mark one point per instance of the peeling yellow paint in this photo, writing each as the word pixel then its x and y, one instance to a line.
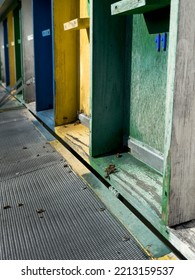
pixel 71 62
pixel 168 257
pixel 77 136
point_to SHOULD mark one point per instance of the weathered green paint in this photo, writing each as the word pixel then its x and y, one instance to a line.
pixel 126 166
pixel 138 184
pixel 107 78
pixel 137 6
pixel 141 233
pixel 169 106
pixel 17 37
pixel 147 86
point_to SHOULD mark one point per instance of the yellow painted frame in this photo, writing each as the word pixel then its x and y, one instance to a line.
pixel 84 71
pixel 12 66
pixel 71 60
pixel 65 63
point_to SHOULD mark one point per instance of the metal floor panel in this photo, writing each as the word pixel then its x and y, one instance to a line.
pixel 25 166
pixel 18 154
pixel 74 224
pixel 18 134
pixel 14 116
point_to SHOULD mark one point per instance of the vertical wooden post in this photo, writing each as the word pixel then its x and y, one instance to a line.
pixel 84 64
pixel 65 62
pixel 107 78
pixel 6 52
pixel 179 178
pixel 11 49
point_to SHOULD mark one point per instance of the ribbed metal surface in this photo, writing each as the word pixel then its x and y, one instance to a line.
pixel 15 115
pixel 75 224
pixel 25 166
pixel 23 152
pixel 18 134
pixel 22 147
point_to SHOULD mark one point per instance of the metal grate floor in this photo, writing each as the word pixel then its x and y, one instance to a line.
pixel 74 223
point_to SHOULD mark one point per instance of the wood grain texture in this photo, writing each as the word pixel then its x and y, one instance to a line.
pixel 137 183
pixel 137 6
pixel 180 137
pixel 77 137
pixel 147 90
pixel 186 233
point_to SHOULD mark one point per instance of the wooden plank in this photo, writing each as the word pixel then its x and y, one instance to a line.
pixel 77 24
pixel 65 62
pixel 139 184
pixel 83 64
pixel 77 137
pixel 142 188
pixel 6 52
pixel 107 78
pixel 179 179
pixel 137 6
pixel 12 66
